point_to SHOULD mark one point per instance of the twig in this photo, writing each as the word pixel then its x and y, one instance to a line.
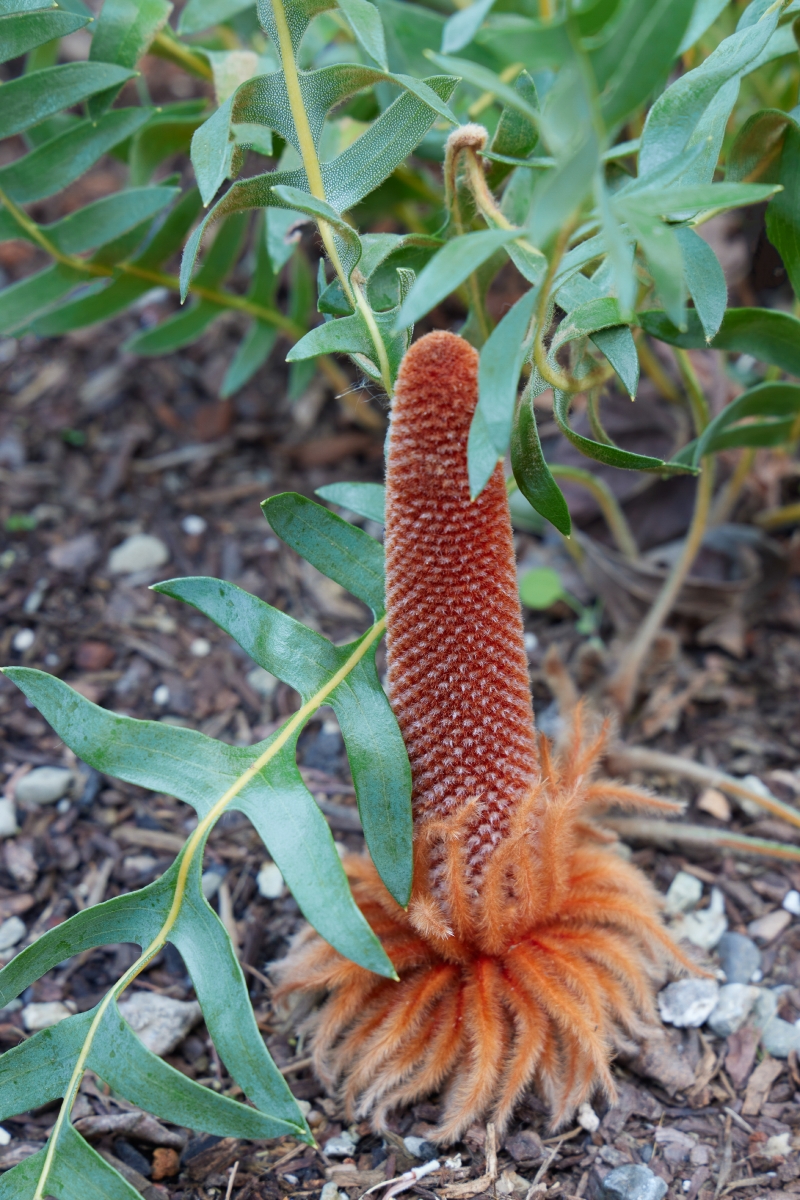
pixel 615 518
pixel 268 984
pixel 756 1181
pixel 299 1064
pixel 665 833
pixel 740 1121
pixel 229 1190
pixel 623 759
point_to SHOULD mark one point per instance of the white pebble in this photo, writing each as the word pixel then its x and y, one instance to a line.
pixel 270 881
pixel 140 552
pixel 43 1015
pixel 194 525
pixel 791 902
pixel 161 695
pixel 12 931
pixel 200 647
pixel 8 818
pixel 531 642
pixel 23 640
pixel 5 1136
pixel 588 1118
pixel 263 682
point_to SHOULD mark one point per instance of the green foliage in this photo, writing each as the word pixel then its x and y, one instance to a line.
pixel 604 153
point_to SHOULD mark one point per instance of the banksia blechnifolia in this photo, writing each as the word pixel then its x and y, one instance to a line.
pixel 530 947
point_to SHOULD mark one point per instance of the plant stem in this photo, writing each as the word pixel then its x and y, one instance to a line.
pixel 308 153
pixel 173 50
pixel 622 687
pixel 697 401
pixel 655 371
pixel 609 506
pixel 729 494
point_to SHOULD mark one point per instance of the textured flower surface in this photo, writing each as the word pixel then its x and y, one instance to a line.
pixel 529 946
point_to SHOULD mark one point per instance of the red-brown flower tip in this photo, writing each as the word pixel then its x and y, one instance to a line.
pixel 458 677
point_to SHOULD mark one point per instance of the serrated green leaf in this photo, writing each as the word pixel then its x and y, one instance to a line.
pixel 674 116
pixel 122 34
pixel 199 771
pixel 21 301
pixel 337 549
pixel 20 32
pixel 498 378
pixel 375 750
pixel 705 280
pixel 198 15
pixel 62 159
pixel 30 98
pixel 448 268
pixel 366 499
pixel 768 334
pixel 532 473
pixel 365 21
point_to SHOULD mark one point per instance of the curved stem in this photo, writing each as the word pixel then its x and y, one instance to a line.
pixel 170 48
pixel 729 494
pixel 609 506
pixel 622 687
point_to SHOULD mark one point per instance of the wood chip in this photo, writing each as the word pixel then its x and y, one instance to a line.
pixel 155 839
pixel 715 803
pixel 759 1084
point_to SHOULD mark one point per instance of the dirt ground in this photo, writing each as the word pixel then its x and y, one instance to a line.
pixel 96 446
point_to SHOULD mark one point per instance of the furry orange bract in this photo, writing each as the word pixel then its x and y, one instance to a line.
pixel 529 946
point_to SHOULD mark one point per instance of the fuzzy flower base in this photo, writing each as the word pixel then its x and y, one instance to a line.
pixel 529 947
pixel 534 984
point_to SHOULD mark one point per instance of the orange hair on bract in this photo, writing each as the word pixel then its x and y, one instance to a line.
pixel 529 946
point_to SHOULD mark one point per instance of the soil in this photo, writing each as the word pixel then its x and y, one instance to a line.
pixel 96 446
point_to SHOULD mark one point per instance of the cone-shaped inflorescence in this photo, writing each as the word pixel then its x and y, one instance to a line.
pixel 529 946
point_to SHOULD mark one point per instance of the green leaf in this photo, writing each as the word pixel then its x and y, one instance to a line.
pixel 531 471
pixel 62 159
pixel 601 318
pixel 486 81
pixel 349 243
pixel 538 44
pixel 602 452
pixel 662 251
pixel 212 151
pixel 251 353
pixel 366 499
pixel 448 268
pixel 122 33
pixel 198 15
pixel 766 333
pixel 704 15
pixel 664 201
pixel 20 32
pixel 561 192
pixel 77 1173
pixel 199 771
pixel 540 588
pixel 305 660
pixel 20 302
pixel 641 50
pixel 30 98
pixel 165 134
pixel 783 213
pixel 179 330
pixel 365 21
pixel 498 378
pixel 460 29
pixel 108 218
pixel 705 280
pixel 674 116
pixel 337 549
pixel 779 403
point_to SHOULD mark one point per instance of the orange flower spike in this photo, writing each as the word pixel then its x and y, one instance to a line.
pixel 528 947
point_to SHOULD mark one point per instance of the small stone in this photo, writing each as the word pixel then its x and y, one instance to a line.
pixel 76 554
pixel 419 1148
pixel 94 656
pixel 161 695
pixel 211 880
pixel 688 1003
pixel 767 928
pixel 140 552
pixel 732 1008
pixel 270 881
pixel 715 804
pixel 684 892
pixel 43 785
pixel 740 957
pixel 791 902
pixel 634 1182
pixel 194 525
pixel 160 1021
pixel 764 1009
pixel 8 818
pixel 262 681
pixel 588 1118
pixel 11 931
pixel 200 648
pixel 780 1038
pixel 166 1162
pixel 22 640
pixel 343 1146
pixel 524 1145
pixel 5 1136
pixel 706 927
pixel 42 1015
pixel 330 1191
